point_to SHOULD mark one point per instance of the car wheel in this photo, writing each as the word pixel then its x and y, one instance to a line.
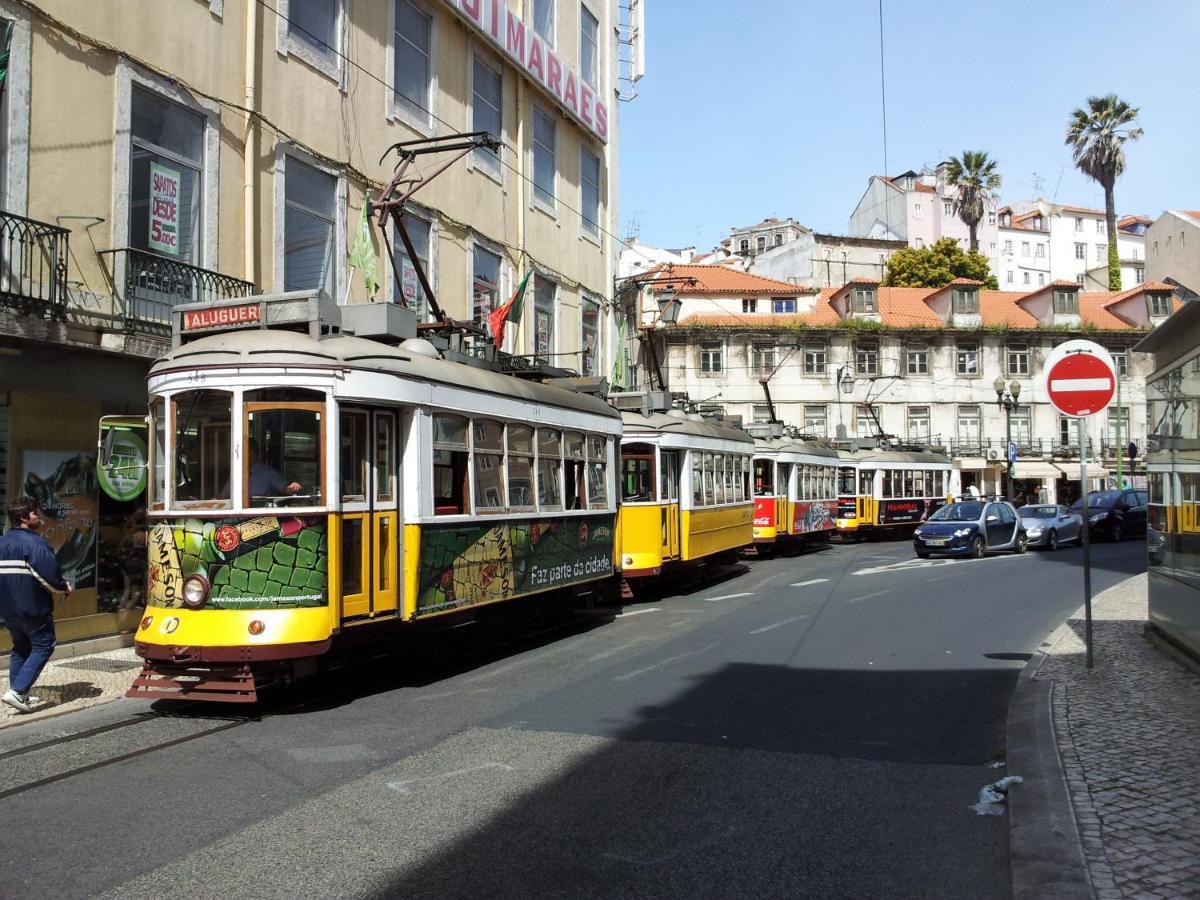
pixel 1118 533
pixel 977 547
pixel 1021 544
pixel 1052 541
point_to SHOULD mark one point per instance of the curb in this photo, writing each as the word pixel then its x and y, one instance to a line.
pixel 1045 849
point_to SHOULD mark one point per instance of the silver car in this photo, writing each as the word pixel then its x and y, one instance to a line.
pixel 1048 525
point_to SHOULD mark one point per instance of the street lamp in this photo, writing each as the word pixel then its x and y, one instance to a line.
pixel 1006 396
pixel 845 380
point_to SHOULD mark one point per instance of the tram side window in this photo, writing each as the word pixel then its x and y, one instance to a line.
pixel 668 482
pixel 520 467
pixel 573 468
pixel 764 474
pixel 283 460
pixel 697 461
pixel 739 485
pixel 708 480
pixel 745 478
pixel 909 483
pixel 866 482
pixel 549 469
pixel 886 488
pixel 450 465
pixel 202 422
pixel 637 477
pixel 158 454
pixel 597 468
pixel 352 456
pixel 488 454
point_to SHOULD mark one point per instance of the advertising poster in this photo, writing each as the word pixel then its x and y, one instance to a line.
pixel 121 472
pixel 271 562
pixel 408 282
pixel 63 482
pixel 164 209
pixel 813 515
pixel 470 564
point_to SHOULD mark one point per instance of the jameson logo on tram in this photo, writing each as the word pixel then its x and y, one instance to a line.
pixel 164 209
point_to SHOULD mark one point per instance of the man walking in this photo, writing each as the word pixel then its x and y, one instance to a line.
pixel 29 571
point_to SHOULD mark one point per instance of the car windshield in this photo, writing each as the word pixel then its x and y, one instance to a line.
pixel 1038 512
pixel 958 512
pixel 1098 500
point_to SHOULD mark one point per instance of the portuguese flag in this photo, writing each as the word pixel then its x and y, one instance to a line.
pixel 499 317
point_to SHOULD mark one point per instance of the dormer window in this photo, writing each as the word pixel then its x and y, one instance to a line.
pixel 1006 220
pixel 863 300
pixel 744 245
pixel 1160 305
pixel 965 301
pixel 1066 303
pixel 1037 222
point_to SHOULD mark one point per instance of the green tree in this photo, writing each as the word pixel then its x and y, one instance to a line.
pixel 937 266
pixel 1097 137
pixel 975 179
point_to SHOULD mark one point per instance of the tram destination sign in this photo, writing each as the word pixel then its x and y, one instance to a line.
pixel 221 317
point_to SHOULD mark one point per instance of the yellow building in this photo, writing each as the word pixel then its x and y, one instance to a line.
pixel 161 154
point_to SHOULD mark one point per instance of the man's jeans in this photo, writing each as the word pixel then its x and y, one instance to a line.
pixel 33 642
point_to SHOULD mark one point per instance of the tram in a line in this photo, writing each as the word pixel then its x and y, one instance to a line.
pixel 306 491
pixel 795 492
pixel 685 492
pixel 889 491
pixel 1174 508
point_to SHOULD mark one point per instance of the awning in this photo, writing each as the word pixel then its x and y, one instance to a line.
pixel 1071 470
pixel 971 462
pixel 1035 469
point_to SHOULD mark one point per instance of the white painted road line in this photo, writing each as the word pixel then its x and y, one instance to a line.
pixel 867 596
pixel 812 581
pixel 637 612
pixel 923 565
pixel 729 596
pixel 778 624
pixel 666 662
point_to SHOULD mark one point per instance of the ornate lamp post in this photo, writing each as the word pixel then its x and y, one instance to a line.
pixel 1006 397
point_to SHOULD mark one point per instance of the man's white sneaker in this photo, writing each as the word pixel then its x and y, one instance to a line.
pixel 16 701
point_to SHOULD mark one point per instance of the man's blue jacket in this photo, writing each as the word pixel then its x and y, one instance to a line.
pixel 22 553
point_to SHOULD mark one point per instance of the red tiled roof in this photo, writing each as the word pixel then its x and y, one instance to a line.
pixel 1094 311
pixel 923 188
pixel 1000 308
pixel 1156 286
pixel 863 279
pixel 721 279
pixel 900 307
pixel 1126 221
pixel 1194 213
pixel 1082 209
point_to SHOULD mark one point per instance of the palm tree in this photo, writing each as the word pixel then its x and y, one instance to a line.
pixel 975 179
pixel 1096 137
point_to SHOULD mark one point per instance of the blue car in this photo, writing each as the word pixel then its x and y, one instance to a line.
pixel 971 528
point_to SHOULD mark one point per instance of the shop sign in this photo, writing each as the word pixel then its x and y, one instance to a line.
pixel 523 46
pixel 221 316
pixel 408 281
pixel 164 209
pixel 121 471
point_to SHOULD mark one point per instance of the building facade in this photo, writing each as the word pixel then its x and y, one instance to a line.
pixel 229 148
pixel 1173 248
pixel 913 366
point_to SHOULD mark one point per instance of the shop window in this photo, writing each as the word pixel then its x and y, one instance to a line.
pixel 165 183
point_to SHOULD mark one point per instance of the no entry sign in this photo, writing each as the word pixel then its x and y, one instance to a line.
pixel 1080 381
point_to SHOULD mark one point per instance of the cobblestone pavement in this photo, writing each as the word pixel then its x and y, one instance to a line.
pixel 73 682
pixel 1128 732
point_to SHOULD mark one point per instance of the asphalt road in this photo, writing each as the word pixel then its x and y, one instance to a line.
pixel 814 726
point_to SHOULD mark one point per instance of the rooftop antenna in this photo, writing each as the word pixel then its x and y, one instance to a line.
pixel 1037 182
pixel 1061 172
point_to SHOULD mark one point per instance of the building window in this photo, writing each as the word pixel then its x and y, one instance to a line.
pixel 1081 251
pixel 917 214
pixel 1139 276
pixel 1118 428
pixel 866 357
pixel 968 426
pixel 760 413
pixel 1120 358
pixel 419 232
pixel 1101 227
pixel 749 304
pixel 165 184
pixel 777 240
pixel 918 359
pixel 1008 248
pixel 314 22
pixel 991 220
pixel 862 300
pixel 413 73
pixel 866 421
pixel 309 197
pixel 814 358
pixel 545 295
pixel 1079 225
pixel 1101 252
pixel 1018 359
pixel 762 359
pixel 947 206
pixel 1080 279
pixel 590 337
pixel 1024 248
pixel 992 249
pixel 744 246
pixel 919 243
pixel 545 167
pixel 485 289
pixel 1135 253
pixel 711 357
pixel 1160 304
pixel 1025 278
pixel 1066 303
pixel 918 424
pixel 787 305
pixel 1068 431
pixel 589 166
pixel 760 244
pixel 1041 279
pixel 589 35
pixel 967 358
pixel 1022 431
pixel 815 422
pixel 964 302
pixel 1008 277
pixel 543 19
pixel 487 89
pixel 1039 251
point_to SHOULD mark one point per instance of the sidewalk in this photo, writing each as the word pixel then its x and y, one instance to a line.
pixel 1128 733
pixel 75 679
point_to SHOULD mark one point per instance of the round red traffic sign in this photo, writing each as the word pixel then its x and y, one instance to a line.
pixel 1080 384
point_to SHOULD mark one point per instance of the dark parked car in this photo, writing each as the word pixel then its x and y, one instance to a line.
pixel 971 528
pixel 1114 514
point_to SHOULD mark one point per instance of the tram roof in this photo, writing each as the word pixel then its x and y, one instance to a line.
pixel 266 347
pixel 892 457
pixel 673 424
pixel 785 445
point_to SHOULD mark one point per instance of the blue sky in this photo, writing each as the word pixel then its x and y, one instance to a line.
pixel 776 112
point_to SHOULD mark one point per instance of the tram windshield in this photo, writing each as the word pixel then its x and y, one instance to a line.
pixel 203 428
pixel 846 482
pixel 282 458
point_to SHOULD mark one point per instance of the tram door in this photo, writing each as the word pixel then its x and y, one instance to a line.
pixel 668 473
pixel 369 546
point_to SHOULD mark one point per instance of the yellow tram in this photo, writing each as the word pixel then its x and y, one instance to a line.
pixel 685 491
pixel 306 489
pixel 795 491
pixel 882 491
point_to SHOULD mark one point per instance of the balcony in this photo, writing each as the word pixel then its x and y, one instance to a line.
pixel 33 266
pixel 148 286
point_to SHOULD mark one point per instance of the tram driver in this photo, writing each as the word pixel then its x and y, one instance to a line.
pixel 265 479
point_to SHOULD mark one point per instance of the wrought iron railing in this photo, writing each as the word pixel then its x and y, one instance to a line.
pixel 33 266
pixel 148 286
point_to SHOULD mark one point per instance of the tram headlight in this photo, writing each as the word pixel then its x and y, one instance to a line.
pixel 195 591
pixel 256 627
pixel 147 622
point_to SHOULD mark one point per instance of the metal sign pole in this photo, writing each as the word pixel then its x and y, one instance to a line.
pixel 1087 561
